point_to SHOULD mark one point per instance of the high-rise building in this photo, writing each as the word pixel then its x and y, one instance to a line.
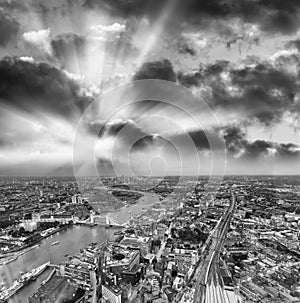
pixel 74 199
pixel 82 273
pixel 111 294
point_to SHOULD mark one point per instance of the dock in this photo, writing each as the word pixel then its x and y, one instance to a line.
pixel 52 288
pixel 22 281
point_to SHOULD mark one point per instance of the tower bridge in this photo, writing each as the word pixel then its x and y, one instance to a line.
pixel 101 220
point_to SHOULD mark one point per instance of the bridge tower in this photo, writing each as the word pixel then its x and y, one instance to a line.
pixel 92 219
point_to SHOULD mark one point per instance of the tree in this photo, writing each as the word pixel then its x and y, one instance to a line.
pixel 174 273
pixel 156 242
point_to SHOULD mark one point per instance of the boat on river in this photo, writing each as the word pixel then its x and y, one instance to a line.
pixel 10 259
pixel 22 281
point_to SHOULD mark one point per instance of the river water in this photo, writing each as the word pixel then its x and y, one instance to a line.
pixel 70 242
pixel 125 213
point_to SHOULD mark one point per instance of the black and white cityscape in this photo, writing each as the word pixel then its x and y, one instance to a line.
pixel 149 151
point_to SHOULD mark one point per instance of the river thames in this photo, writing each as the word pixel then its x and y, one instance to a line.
pixel 70 243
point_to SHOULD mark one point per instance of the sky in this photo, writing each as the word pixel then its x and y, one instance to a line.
pixel 141 87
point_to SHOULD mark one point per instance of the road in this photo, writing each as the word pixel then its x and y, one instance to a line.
pixel 163 244
pixel 209 284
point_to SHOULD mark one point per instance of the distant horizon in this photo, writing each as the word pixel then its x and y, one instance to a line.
pixel 226 175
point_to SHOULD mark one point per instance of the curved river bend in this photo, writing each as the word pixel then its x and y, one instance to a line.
pixel 70 242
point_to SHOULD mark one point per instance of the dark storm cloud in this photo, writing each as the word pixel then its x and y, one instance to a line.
pixel 183 46
pixel 39 86
pixel 45 9
pixel 199 137
pixel 12 5
pixel 235 139
pixel 9 27
pixel 131 133
pixel 127 8
pixel 270 15
pixel 185 49
pixel 131 129
pixel 145 142
pixel 126 131
pixel 190 79
pixel 263 91
pixel 200 77
pixel 267 92
pixel 288 150
pixel 238 145
pixel 112 128
pixel 161 69
pixel 263 75
pixel 294 43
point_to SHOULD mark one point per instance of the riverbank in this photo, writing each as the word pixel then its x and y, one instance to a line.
pixel 37 294
pixel 54 287
pixel 20 251
pixel 124 214
pixel 25 278
pixel 70 243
